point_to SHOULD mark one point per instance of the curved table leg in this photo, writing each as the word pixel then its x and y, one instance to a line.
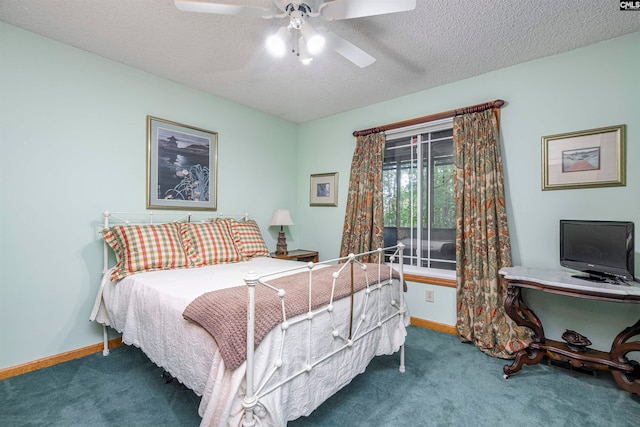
pixel 518 311
pixel 627 380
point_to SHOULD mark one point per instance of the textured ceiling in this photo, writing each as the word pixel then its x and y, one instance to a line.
pixel 438 43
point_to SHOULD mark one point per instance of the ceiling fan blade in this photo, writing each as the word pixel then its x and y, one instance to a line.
pixel 223 9
pixel 347 49
pixel 348 9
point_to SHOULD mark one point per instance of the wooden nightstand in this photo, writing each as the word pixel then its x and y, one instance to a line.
pixel 299 255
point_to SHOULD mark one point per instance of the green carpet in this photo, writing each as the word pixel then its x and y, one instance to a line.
pixel 446 384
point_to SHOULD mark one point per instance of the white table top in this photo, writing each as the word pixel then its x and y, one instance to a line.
pixel 562 279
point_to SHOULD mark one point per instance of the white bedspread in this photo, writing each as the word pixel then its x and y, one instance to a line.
pixel 147 309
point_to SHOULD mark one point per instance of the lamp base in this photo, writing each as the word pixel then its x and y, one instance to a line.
pixel 281 245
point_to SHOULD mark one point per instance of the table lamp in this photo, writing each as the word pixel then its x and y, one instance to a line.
pixel 281 217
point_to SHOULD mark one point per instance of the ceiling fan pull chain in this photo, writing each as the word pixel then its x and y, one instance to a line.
pixel 296 44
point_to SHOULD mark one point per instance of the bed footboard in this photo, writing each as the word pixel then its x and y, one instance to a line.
pixel 380 300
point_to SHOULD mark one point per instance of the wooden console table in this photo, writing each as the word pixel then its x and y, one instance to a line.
pixel 625 372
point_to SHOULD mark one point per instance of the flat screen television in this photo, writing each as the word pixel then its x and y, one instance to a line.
pixel 602 249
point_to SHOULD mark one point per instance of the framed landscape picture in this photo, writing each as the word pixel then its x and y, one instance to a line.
pixel 586 159
pixel 182 164
pixel 324 189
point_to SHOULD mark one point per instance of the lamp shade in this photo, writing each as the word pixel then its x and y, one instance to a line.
pixel 277 43
pixel 281 217
pixel 314 41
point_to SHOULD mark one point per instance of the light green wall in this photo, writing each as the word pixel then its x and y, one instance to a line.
pixel 72 144
pixel 583 89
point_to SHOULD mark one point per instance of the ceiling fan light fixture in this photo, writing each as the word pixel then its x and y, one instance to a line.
pixel 277 43
pixel 298 11
pixel 314 41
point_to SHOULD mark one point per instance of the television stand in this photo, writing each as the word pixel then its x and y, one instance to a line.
pixel 625 372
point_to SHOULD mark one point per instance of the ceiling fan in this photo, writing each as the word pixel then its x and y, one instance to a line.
pixel 304 40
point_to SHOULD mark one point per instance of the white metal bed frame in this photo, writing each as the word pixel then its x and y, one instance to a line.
pixel 254 393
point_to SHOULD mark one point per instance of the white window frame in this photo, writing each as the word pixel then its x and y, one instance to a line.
pixel 417 130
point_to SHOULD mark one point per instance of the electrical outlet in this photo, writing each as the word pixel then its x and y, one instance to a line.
pixel 429 295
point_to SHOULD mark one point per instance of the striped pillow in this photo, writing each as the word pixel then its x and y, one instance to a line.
pixel 209 243
pixel 251 242
pixel 145 248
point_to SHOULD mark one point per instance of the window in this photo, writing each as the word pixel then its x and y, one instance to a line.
pixel 419 207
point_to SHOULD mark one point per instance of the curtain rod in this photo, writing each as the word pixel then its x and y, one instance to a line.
pixel 444 115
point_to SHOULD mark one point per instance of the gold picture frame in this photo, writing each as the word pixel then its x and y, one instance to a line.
pixel 324 189
pixel 182 166
pixel 586 159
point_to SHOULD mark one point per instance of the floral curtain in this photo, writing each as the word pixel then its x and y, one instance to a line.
pixel 363 221
pixel 482 238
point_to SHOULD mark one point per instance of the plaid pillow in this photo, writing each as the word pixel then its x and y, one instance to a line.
pixel 209 243
pixel 145 248
pixel 251 242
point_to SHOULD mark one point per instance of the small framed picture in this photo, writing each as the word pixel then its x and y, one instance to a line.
pixel 586 159
pixel 182 163
pixel 324 189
